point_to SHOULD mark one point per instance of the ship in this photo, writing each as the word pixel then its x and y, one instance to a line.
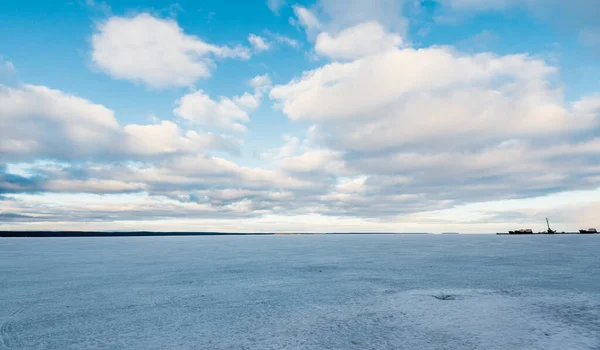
pixel 550 231
pixel 529 231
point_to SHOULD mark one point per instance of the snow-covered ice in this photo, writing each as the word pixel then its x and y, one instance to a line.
pixel 301 292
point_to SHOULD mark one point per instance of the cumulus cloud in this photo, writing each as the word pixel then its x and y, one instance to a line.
pixel 435 128
pixel 224 113
pixel 168 138
pixel 588 106
pixel 37 122
pixel 315 162
pixel 346 30
pixel 429 95
pixel 155 52
pixel 90 186
pixel 261 84
pixel 259 44
pixel 361 40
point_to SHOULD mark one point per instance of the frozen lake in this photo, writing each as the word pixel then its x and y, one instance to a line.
pixel 301 292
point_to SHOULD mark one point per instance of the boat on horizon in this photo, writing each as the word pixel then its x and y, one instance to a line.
pixel 547 232
pixel 527 231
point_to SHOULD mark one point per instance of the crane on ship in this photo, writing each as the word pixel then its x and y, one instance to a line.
pixel 550 231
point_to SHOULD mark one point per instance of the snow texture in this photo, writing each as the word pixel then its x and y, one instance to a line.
pixel 301 292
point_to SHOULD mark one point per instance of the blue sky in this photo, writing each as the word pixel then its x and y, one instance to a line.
pixel 326 115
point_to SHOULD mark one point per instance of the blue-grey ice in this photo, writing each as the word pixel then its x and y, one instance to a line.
pixel 301 292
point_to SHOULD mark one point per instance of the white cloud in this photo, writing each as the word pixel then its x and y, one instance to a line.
pixel 191 172
pixel 354 185
pixel 247 101
pixel 224 113
pixel 426 95
pixel 167 138
pixel 314 161
pixel 91 186
pixel 155 51
pixel 306 18
pixel 261 83
pixel 437 127
pixel 259 44
pixel 588 107
pixel 346 30
pixel 38 120
pixel 361 40
pixel 37 123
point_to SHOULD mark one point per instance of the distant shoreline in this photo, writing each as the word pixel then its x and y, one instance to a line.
pixel 58 234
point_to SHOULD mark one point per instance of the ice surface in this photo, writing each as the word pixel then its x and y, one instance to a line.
pixel 301 292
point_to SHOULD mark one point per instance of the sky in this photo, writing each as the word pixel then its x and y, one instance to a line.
pixel 434 116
